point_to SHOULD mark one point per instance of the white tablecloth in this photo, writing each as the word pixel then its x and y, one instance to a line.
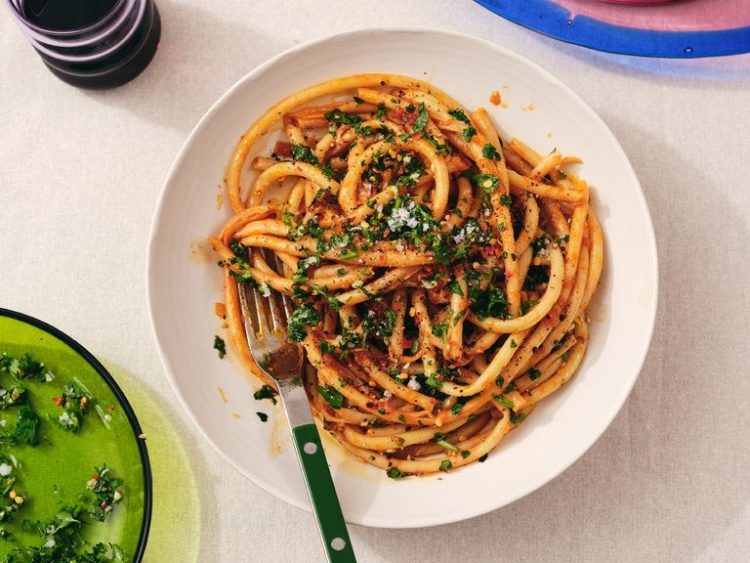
pixel 80 173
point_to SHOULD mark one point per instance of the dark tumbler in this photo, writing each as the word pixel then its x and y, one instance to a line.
pixel 91 43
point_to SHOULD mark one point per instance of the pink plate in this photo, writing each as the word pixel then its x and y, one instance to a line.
pixel 651 28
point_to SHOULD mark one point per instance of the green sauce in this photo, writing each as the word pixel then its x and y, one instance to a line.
pixel 53 473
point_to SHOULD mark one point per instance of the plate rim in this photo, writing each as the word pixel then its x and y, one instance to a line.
pixel 127 408
pixel 623 40
pixel 218 105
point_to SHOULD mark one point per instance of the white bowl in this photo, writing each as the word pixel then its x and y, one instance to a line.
pixel 541 111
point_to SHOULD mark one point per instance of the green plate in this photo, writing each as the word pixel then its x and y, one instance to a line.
pixel 54 472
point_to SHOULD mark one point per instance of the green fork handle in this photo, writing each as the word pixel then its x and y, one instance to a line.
pixel 323 497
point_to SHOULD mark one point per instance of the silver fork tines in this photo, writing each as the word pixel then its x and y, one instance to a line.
pixel 268 341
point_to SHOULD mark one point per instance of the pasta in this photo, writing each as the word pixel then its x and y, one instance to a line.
pixel 441 274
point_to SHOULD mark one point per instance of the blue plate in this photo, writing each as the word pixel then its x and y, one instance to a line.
pixel 637 30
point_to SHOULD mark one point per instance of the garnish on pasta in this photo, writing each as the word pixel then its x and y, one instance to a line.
pixel 441 273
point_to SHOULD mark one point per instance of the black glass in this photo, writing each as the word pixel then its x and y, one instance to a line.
pixel 91 43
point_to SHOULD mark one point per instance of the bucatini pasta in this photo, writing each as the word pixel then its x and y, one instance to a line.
pixel 441 273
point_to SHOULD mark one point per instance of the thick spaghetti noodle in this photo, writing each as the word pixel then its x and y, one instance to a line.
pixel 441 274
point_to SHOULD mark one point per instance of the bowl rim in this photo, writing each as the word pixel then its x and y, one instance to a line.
pixel 126 407
pixel 219 105
pixel 590 33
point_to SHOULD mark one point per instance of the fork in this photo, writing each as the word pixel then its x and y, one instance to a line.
pixel 282 360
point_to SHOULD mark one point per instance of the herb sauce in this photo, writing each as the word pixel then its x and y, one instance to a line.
pixel 54 473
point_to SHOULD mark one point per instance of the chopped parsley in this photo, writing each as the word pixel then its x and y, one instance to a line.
pixel 107 491
pixel 540 243
pixel 456 408
pixel 349 254
pixel 25 367
pixel 408 220
pixel 455 287
pixel 240 259
pixel 26 430
pixel 489 151
pixel 446 465
pixel 488 182
pixel 534 374
pixel 483 458
pixel 380 325
pixel 331 395
pixel 434 382
pixel 304 315
pixel 300 275
pixel 422 118
pixel 262 416
pixel 304 154
pixel 328 172
pixel 395 473
pixel 75 401
pixel 413 169
pixel 440 330
pixel 326 347
pixel 518 418
pixel 468 133
pixel 63 541
pixel 220 346
pixel 490 302
pixel 464 238
pixel 338 118
pixel 27 426
pixel 504 401
pixel 265 392
pixel 439 148
pixel 313 229
pixel 458 113
pixel 440 440
pixel 334 303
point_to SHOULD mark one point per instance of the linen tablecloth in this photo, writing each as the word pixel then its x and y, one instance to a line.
pixel 80 173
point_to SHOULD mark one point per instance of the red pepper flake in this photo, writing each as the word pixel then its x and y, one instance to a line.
pixel 490 251
pixel 399 115
pixel 282 149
